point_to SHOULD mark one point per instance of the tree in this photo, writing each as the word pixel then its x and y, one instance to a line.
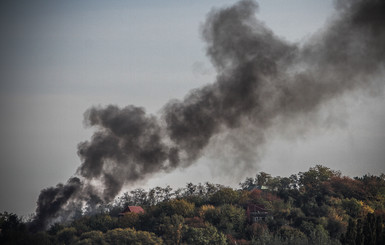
pixel 347 187
pixel 67 235
pixel 374 186
pixel 202 210
pixel 248 184
pixel 159 194
pixel 41 237
pixel 262 178
pixel 204 236
pixel 12 228
pixel 101 222
pixel 351 233
pixel 319 207
pixel 171 229
pixel 360 235
pixel 380 232
pixel 352 207
pixel 319 236
pixel 369 230
pixel 128 220
pixel 256 230
pixel 120 236
pixel 211 189
pixel 224 196
pixel 228 219
pixel 190 189
pixel 139 197
pixel 180 207
pixel 92 237
pixel 316 175
pixel 335 228
pixel 292 235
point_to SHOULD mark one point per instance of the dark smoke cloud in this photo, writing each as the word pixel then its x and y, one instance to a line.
pixel 261 82
pixel 52 200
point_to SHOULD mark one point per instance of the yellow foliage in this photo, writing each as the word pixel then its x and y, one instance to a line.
pixel 366 208
pixel 202 211
pixel 182 207
pixel 333 213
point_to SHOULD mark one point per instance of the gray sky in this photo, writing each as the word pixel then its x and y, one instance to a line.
pixel 60 58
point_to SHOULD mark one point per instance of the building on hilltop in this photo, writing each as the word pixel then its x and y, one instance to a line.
pixel 132 209
pixel 257 213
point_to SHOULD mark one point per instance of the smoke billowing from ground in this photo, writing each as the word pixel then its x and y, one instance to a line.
pixel 262 80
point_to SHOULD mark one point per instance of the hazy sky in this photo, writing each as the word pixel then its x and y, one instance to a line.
pixel 58 58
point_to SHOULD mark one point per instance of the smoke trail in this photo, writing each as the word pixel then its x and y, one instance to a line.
pixel 262 80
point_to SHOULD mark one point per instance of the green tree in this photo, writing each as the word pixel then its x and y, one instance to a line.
pixel 369 230
pixel 139 197
pixel 248 184
pixel 335 228
pixel 120 236
pixel 319 236
pixel 67 235
pixel 352 207
pixel 360 235
pixel 128 220
pixel 262 178
pixel 351 233
pixel 100 222
pixel 204 236
pixel 225 196
pixel 228 219
pixel 12 228
pixel 180 207
pixel 41 238
pixel 171 229
pixel 257 230
pixel 292 235
pixel 316 175
pixel 380 232
pixel 92 237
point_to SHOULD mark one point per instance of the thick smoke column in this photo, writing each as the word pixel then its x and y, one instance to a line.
pixel 52 200
pixel 262 80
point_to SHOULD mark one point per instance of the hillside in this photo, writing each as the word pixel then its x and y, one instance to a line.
pixel 319 206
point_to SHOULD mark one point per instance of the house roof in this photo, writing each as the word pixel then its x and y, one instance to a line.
pixel 133 209
pixel 257 208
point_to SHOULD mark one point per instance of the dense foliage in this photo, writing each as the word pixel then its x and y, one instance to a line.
pixel 319 206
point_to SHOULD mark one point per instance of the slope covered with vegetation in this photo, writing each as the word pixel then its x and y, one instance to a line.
pixel 319 206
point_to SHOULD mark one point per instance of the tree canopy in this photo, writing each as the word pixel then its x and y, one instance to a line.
pixel 319 206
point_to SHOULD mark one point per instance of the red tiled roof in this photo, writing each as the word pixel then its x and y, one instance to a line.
pixel 136 209
pixel 133 209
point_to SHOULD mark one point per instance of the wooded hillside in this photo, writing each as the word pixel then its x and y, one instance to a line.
pixel 320 206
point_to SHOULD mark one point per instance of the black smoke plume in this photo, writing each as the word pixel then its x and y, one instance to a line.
pixel 262 81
